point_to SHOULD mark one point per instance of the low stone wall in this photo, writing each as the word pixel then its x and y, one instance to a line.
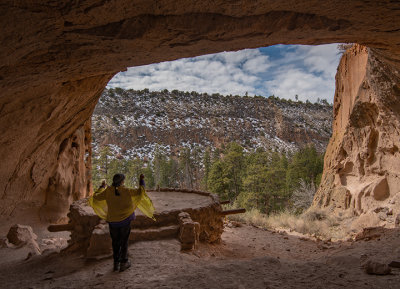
pixel 90 235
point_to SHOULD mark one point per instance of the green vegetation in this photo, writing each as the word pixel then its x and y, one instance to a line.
pixel 266 181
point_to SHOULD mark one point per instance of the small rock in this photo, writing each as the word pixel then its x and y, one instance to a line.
pixel 397 220
pixel 375 268
pixel 4 243
pixel 236 224
pixel 394 264
pixel 286 238
pixel 21 235
pixel 382 216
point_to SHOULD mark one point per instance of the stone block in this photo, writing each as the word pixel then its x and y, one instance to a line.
pixel 189 231
pixel 100 243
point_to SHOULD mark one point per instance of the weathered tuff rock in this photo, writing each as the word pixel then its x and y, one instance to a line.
pixel 57 57
pixel 22 235
pixel 362 161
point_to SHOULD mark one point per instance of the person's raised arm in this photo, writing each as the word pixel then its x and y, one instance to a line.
pixel 134 192
pixel 100 193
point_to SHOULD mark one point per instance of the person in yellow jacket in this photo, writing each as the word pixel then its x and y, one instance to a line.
pixel 116 204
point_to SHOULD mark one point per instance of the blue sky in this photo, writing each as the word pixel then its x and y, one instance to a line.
pixel 280 70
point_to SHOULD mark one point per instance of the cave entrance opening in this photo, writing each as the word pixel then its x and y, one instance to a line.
pixel 240 124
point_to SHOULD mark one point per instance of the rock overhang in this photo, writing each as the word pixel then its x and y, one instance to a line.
pixel 58 57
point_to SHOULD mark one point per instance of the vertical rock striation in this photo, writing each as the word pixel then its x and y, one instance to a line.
pixel 362 161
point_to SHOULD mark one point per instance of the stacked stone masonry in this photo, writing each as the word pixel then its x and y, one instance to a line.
pixel 90 234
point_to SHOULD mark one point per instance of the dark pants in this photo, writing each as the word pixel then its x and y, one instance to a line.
pixel 120 240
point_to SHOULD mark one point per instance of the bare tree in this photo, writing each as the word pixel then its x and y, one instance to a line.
pixel 303 196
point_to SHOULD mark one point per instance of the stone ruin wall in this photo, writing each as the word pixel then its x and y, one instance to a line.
pixel 362 161
pixel 57 57
pixel 83 221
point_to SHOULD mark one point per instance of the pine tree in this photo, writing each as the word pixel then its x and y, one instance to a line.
pixel 217 182
pixel 104 162
pixel 207 168
pixel 233 162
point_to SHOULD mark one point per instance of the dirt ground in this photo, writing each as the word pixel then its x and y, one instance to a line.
pixel 248 257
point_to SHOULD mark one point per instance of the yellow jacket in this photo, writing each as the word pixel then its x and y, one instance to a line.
pixel 114 208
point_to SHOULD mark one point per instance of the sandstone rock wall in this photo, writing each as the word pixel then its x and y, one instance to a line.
pixel 362 162
pixel 45 146
pixel 57 56
pixel 71 179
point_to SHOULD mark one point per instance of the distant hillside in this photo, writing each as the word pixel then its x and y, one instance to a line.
pixel 133 122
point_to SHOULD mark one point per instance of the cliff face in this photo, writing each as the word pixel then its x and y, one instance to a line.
pixel 362 162
pixel 57 57
pixel 134 122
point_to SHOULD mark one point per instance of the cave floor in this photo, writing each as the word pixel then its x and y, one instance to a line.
pixel 248 257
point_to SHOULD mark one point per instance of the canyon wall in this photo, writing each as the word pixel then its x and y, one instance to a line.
pixel 362 161
pixel 57 56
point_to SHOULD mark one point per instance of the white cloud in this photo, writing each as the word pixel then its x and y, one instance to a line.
pixel 297 82
pixel 225 73
pixel 323 58
pixel 307 71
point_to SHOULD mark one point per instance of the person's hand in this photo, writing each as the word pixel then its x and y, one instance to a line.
pixel 103 184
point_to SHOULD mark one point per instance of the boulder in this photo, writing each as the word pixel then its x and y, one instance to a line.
pixel 100 242
pixel 376 268
pixel 21 235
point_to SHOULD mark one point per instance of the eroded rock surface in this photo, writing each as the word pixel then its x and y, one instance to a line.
pixel 22 235
pixel 362 162
pixel 57 57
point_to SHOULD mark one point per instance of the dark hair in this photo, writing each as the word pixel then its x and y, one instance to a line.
pixel 117 181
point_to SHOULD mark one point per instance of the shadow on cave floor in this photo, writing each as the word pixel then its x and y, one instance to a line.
pixel 248 257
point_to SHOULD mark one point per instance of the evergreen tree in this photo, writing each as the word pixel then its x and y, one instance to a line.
pixel 307 164
pixel 187 168
pixel 159 167
pixel 217 182
pixel 207 168
pixel 233 162
pixel 104 162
